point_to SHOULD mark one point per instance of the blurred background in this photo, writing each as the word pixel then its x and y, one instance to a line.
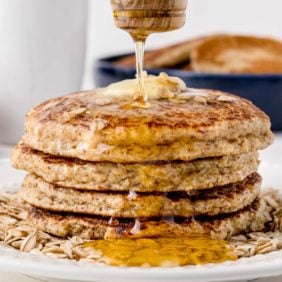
pixel 48 48
pixel 256 17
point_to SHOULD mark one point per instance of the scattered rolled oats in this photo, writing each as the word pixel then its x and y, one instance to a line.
pixel 29 243
pixel 225 98
pixel 67 116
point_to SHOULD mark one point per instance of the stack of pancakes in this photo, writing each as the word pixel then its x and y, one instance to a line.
pixel 186 165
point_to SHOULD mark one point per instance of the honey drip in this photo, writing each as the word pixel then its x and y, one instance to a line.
pixel 142 95
pixel 140 18
pixel 196 250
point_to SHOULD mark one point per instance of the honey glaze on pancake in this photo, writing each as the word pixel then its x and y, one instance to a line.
pixel 168 97
pixel 163 93
pixel 126 92
pixel 163 252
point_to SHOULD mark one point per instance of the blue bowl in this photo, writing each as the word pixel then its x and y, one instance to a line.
pixel 265 91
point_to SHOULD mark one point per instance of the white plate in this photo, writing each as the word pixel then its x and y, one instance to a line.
pixel 243 269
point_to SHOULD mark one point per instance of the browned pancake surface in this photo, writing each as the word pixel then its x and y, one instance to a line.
pixel 219 124
pixel 142 177
pixel 219 200
pixel 252 218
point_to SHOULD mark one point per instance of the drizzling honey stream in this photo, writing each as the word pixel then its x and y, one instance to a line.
pixel 140 18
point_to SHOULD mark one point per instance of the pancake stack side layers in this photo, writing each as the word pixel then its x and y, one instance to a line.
pixel 99 168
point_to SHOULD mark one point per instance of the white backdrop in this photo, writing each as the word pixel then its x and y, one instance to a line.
pixel 204 16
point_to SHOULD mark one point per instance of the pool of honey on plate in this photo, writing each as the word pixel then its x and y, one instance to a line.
pixel 163 252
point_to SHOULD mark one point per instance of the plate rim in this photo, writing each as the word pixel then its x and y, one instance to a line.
pixel 58 269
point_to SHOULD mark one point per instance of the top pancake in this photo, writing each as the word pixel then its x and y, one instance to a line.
pixel 195 124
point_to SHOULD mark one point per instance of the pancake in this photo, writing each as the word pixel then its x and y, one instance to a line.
pixel 194 124
pixel 237 54
pixel 146 177
pixel 220 200
pixel 250 219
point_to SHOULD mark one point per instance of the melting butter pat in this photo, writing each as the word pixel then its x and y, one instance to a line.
pixel 157 87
